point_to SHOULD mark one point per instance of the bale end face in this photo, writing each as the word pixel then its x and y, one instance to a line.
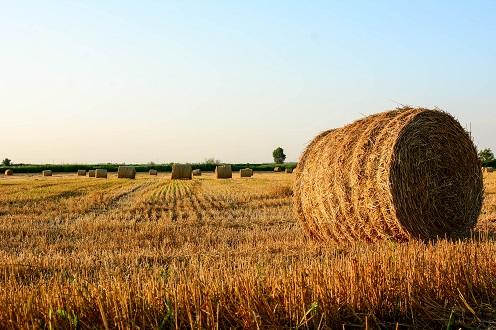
pixel 197 172
pixel 9 172
pixel 403 174
pixel 246 173
pixel 126 172
pixel 153 172
pixel 91 173
pixel 277 169
pixel 46 173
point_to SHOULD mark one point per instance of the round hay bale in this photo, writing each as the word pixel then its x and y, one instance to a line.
pixel 46 173
pixel 289 170
pixel 91 173
pixel 489 169
pixel 277 169
pixel 153 172
pixel 181 172
pixel 246 173
pixel 403 174
pixel 101 173
pixel 197 172
pixel 81 172
pixel 9 172
pixel 223 172
pixel 126 172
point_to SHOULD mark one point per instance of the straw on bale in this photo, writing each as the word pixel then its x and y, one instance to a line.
pixel 153 172
pixel 181 171
pixel 403 174
pixel 289 170
pixel 246 173
pixel 81 172
pixel 277 169
pixel 9 172
pixel 91 173
pixel 47 173
pixel 126 172
pixel 100 173
pixel 197 172
pixel 223 172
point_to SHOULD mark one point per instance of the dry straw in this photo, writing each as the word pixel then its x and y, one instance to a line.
pixel 81 172
pixel 126 172
pixel 100 173
pixel 223 172
pixel 181 171
pixel 197 172
pixel 91 173
pixel 246 173
pixel 46 173
pixel 403 174
pixel 153 172
pixel 9 172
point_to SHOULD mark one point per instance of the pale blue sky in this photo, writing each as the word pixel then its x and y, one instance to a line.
pixel 139 81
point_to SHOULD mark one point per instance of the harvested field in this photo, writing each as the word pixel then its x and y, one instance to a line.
pixel 161 253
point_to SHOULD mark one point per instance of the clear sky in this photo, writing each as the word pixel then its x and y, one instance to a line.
pixel 139 81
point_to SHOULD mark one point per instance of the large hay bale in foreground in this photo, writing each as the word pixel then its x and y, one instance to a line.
pixel 91 173
pixel 46 173
pixel 223 172
pixel 402 174
pixel 100 173
pixel 153 172
pixel 181 172
pixel 81 172
pixel 126 172
pixel 197 172
pixel 9 172
pixel 246 173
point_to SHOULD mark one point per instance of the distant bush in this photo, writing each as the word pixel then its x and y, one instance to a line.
pixel 67 168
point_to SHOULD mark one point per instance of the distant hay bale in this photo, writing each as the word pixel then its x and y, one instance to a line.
pixel 403 174
pixel 81 172
pixel 489 169
pixel 181 172
pixel 246 173
pixel 153 172
pixel 46 173
pixel 197 172
pixel 9 172
pixel 277 169
pixel 223 172
pixel 126 172
pixel 289 170
pixel 91 173
pixel 100 173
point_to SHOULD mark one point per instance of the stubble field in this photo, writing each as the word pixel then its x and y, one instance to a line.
pixel 80 252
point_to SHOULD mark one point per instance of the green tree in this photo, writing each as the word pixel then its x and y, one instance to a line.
pixel 6 162
pixel 486 155
pixel 279 156
pixel 212 160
